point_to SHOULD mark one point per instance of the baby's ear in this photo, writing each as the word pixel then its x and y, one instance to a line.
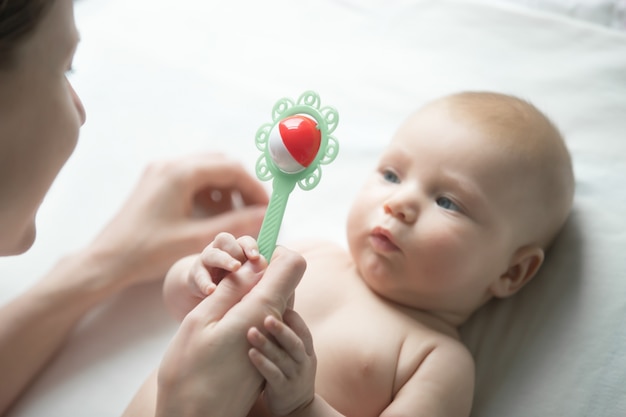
pixel 524 265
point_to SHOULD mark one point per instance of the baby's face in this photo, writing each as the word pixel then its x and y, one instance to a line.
pixel 434 224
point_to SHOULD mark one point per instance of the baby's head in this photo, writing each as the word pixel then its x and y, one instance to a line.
pixel 467 197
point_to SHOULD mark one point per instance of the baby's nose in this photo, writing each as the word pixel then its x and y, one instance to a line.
pixel 402 210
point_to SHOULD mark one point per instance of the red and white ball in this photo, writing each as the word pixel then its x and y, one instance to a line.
pixel 294 143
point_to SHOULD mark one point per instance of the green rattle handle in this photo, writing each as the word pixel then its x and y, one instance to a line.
pixel 287 144
pixel 274 216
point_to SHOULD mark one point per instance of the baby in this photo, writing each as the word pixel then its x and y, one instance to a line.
pixel 462 207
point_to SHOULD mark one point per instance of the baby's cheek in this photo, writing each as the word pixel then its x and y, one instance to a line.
pixel 444 252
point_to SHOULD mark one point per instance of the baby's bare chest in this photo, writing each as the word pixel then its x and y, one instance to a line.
pixel 357 360
pixel 358 340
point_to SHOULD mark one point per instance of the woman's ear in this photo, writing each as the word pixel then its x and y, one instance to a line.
pixel 524 265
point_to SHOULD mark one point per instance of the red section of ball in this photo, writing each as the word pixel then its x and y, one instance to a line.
pixel 301 137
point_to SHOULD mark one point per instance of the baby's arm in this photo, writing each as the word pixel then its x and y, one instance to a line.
pixel 442 385
pixel 193 278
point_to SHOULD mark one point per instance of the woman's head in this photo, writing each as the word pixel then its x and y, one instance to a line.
pixel 40 114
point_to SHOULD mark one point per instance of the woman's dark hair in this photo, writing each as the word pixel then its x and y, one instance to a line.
pixel 18 20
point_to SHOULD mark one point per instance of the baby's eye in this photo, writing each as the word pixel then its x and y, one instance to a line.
pixel 446 203
pixel 390 176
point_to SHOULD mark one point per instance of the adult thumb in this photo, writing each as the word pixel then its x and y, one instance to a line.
pixel 280 279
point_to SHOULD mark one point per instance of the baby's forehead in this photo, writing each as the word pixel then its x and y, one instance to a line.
pixel 453 150
pixel 501 116
pixel 505 123
pixel 473 140
pixel 440 127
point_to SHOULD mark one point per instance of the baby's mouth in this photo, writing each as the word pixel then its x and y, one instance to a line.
pixel 382 240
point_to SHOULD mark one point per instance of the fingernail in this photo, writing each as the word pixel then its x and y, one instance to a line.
pixel 271 322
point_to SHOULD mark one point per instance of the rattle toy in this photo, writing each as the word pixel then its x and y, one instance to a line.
pixel 294 146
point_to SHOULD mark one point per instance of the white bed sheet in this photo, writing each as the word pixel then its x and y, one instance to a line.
pixel 161 80
pixel 609 13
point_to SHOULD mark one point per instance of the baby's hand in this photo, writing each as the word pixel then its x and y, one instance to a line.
pixel 288 363
pixel 193 278
pixel 224 255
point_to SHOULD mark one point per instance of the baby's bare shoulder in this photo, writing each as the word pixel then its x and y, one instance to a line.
pixel 428 339
pixel 435 372
pixel 450 349
pixel 441 340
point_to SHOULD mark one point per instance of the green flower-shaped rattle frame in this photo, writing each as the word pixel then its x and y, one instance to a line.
pixel 327 118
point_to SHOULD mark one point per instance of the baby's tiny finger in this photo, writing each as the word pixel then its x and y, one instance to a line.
pixel 266 367
pixel 299 327
pixel 211 289
pixel 203 281
pixel 256 338
pixel 196 281
pixel 286 338
pixel 217 258
pixel 250 247
pixel 227 243
pixel 271 351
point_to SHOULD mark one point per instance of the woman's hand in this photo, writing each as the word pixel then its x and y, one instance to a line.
pixel 206 370
pixel 176 209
